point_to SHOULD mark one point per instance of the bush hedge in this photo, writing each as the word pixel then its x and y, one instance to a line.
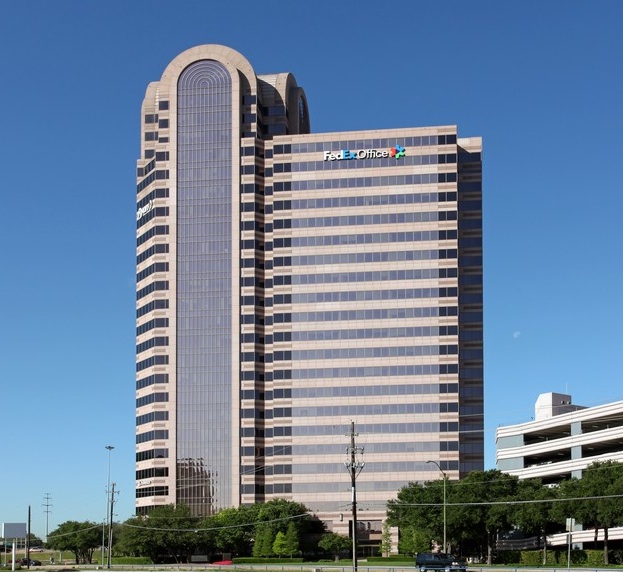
pixel 251 560
pixel 588 558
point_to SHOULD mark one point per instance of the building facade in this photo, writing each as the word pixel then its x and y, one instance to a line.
pixel 290 283
pixel 562 440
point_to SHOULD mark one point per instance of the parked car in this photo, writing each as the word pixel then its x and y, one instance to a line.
pixel 439 561
pixel 24 562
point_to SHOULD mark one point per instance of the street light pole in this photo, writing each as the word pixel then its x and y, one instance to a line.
pixel 109 448
pixel 445 545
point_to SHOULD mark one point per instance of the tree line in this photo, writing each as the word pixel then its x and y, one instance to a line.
pixel 479 508
pixel 486 504
pixel 278 528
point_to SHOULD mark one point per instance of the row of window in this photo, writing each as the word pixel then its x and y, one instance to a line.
pixel 379 143
pixel 372 428
pixel 152 398
pixel 148 168
pixel 367 314
pixel 360 220
pixel 355 296
pixel 158 341
pixel 152 361
pixel 160 175
pixel 331 430
pixel 379 372
pixel 362 353
pixel 152 436
pixel 378 409
pixel 359 182
pixel 268 433
pixel 161 304
pixel 276 489
pixel 367 200
pixel 156 267
pixel 151 379
pixel 364 295
pixel 150 233
pixel 152 454
pixel 266 470
pixel 362 258
pixel 365 333
pixel 364 238
pixel 151 214
pixel 302 451
pixel 160 248
pixel 157 491
pixel 159 155
pixel 389 467
pixel 152 472
pixel 277 451
pixel 153 287
pixel 341 391
pixel 366 277
pixel 155 323
pixel 322 165
pixel 356 334
pixel 151 417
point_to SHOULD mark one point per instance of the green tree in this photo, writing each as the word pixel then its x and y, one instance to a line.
pixel 81 538
pixel 412 540
pixel 386 539
pixel 599 480
pixel 234 529
pixel 535 518
pixel 34 541
pixel 133 538
pixel 292 540
pixel 419 507
pixel 335 544
pixel 168 534
pixel 264 540
pixel 279 546
pixel 279 515
pixel 480 509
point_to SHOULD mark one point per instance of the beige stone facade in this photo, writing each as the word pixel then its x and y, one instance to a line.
pixel 291 283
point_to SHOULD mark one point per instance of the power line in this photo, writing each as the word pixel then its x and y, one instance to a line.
pixel 195 529
pixel 533 501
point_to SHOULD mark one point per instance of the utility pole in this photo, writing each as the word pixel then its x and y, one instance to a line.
pixel 109 448
pixel 354 465
pixel 112 504
pixel 28 541
pixel 47 505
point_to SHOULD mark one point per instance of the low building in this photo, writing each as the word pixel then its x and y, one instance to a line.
pixel 560 442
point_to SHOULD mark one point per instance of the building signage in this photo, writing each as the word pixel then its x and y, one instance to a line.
pixel 144 210
pixel 345 154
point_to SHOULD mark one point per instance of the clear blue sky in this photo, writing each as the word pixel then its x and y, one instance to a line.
pixel 540 81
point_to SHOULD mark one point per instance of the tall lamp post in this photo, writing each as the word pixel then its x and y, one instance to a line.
pixel 445 545
pixel 109 448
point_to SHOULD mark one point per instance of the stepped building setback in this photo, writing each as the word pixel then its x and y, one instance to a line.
pixel 290 283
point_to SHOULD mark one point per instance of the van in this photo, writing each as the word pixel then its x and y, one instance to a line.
pixel 439 561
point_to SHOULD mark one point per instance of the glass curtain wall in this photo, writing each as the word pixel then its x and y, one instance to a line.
pixel 204 244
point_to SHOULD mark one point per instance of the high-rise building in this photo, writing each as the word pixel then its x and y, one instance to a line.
pixel 290 283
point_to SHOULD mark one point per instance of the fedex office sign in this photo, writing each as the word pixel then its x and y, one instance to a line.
pixel 345 154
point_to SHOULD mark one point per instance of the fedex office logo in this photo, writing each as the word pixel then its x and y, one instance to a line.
pixel 144 210
pixel 345 154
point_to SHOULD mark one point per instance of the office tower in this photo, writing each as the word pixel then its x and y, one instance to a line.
pixel 290 283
